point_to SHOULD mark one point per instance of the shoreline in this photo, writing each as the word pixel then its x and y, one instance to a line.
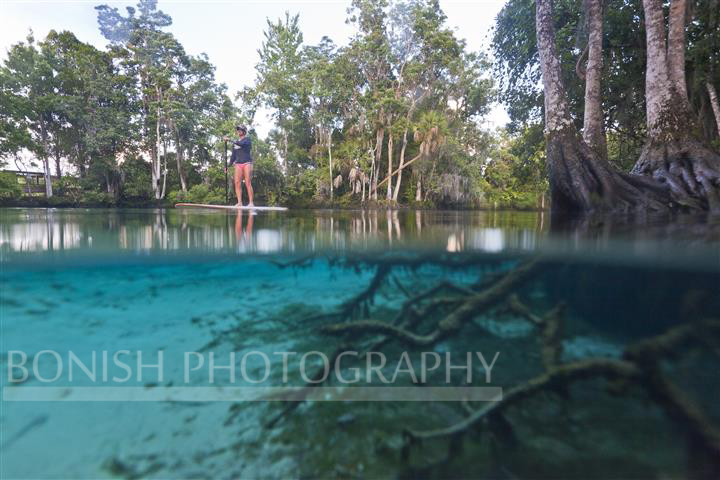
pixel 63 203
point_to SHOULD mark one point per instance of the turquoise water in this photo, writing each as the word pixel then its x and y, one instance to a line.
pixel 605 332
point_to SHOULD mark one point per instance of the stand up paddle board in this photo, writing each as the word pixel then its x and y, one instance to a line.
pixel 228 207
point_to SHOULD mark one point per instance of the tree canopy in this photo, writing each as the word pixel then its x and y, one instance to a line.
pixel 394 116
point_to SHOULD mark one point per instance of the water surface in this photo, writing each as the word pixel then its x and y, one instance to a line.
pixel 149 281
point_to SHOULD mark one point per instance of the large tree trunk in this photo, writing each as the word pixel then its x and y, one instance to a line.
pixel 46 162
pixel 329 147
pixel 712 93
pixel 379 138
pixel 155 156
pixel 390 171
pixel 672 153
pixel 593 132
pixel 401 165
pixel 179 159
pixel 164 171
pixel 676 47
pixel 58 170
pixel 154 175
pixel 48 178
pixel 362 186
pixel 285 151
pixel 580 179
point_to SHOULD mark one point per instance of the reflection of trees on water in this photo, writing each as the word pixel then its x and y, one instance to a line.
pixel 45 234
pixel 31 230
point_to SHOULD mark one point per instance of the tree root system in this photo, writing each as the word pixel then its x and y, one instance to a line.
pixel 442 311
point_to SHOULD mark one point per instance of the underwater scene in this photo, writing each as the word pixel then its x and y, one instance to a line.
pixel 360 345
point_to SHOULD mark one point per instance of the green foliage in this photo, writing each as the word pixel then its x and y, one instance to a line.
pixel 144 117
pixel 201 193
pixel 9 186
pixel 301 189
pixel 268 180
pixel 278 84
pixel 623 75
pixel 404 74
pixel 70 188
pixel 94 198
pixel 136 174
pixel 30 95
pixel 515 174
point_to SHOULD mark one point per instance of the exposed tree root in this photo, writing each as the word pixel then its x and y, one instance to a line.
pixel 410 314
pixel 689 169
pixel 640 366
pixel 470 307
pixel 580 180
pixel 515 306
pixel 551 331
pixel 361 302
pixel 551 325
pixel 557 377
pixel 378 327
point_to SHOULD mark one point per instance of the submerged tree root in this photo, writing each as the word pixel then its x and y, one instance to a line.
pixel 465 310
pixel 640 366
pixel 456 306
pixel 464 305
pixel 557 377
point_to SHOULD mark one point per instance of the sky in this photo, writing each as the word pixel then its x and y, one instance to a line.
pixel 231 31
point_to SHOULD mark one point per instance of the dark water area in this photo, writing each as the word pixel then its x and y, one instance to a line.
pixel 479 345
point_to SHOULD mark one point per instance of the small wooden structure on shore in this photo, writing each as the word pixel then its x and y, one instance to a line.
pixel 32 183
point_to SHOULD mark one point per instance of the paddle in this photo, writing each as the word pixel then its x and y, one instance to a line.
pixel 226 169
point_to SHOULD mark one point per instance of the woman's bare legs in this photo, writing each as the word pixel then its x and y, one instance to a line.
pixel 248 181
pixel 237 180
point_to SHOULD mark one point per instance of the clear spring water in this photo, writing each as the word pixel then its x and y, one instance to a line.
pixel 150 281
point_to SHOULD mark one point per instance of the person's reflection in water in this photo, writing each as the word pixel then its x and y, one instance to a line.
pixel 456 242
pixel 244 238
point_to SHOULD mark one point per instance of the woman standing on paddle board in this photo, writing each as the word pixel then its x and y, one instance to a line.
pixel 243 164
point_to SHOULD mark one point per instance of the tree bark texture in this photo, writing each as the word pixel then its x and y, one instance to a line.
pixel 676 47
pixel 46 162
pixel 593 132
pixel 379 138
pixel 155 157
pixel 179 158
pixel 712 93
pixel 329 147
pixel 390 171
pixel 673 154
pixel 580 179
pixel 401 165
